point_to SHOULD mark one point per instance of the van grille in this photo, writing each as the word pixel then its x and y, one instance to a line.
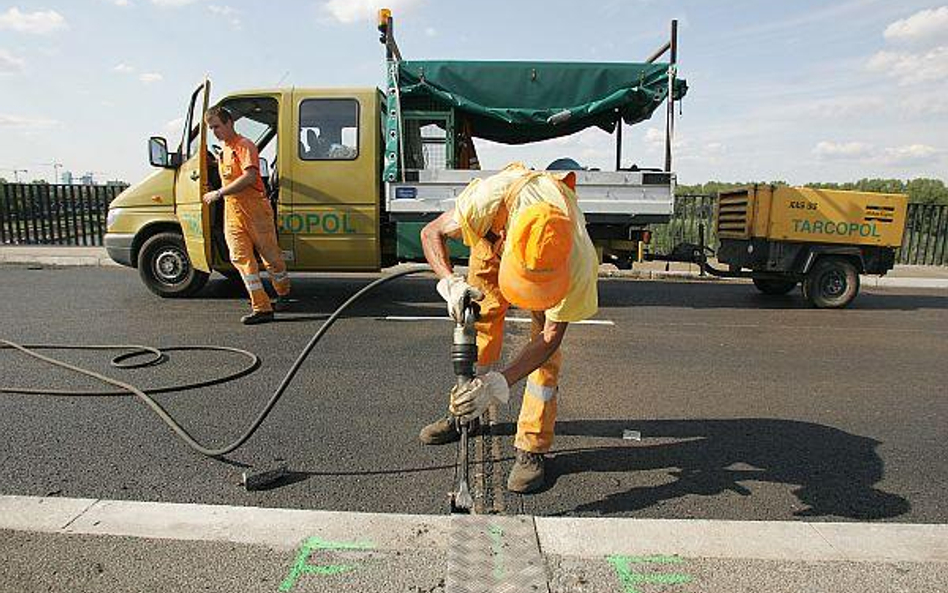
pixel 732 214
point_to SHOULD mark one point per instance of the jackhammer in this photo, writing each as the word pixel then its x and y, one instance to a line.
pixel 464 358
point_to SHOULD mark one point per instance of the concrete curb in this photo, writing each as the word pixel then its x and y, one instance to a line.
pixel 56 256
pixel 896 282
pixel 681 276
pixel 574 537
pixel 759 540
pixel 96 256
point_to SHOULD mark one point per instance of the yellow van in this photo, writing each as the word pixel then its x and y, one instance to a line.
pixel 354 174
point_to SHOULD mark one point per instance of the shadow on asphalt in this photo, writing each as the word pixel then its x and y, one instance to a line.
pixel 834 471
pixel 699 295
pixel 293 476
pixel 298 475
pixel 417 296
pixel 315 298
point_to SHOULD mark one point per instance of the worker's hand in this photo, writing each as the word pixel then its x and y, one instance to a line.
pixel 471 401
pixel 211 196
pixel 453 290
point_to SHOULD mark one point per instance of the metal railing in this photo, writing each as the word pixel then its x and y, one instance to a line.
pixel 45 214
pixel 925 241
pixel 42 214
pixel 926 236
pixel 684 227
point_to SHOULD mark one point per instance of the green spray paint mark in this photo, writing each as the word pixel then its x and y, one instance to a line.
pixel 302 566
pixel 497 549
pixel 657 559
pixel 630 580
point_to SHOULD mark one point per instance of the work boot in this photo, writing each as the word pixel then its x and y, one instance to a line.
pixel 280 303
pixel 445 430
pixel 440 432
pixel 257 317
pixel 527 473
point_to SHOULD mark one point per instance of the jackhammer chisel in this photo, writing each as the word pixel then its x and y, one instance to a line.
pixel 464 357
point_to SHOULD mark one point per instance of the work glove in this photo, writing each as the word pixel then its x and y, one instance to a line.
pixel 470 401
pixel 453 290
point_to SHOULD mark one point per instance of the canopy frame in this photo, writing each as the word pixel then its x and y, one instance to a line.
pixel 394 153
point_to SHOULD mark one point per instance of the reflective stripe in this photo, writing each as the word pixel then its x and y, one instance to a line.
pixel 541 392
pixel 279 276
pixel 252 282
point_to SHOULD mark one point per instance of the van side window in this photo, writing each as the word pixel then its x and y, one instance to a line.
pixel 329 130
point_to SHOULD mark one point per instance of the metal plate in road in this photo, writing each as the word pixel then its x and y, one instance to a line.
pixel 493 554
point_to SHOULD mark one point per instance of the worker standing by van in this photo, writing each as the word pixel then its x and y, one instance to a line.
pixel 529 248
pixel 248 218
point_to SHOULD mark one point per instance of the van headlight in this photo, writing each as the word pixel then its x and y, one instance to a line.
pixel 110 219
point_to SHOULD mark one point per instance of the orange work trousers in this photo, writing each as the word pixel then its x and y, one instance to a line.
pixel 248 225
pixel 538 411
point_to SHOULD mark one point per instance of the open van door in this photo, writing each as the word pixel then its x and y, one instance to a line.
pixel 191 182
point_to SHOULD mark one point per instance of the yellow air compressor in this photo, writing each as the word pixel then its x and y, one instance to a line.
pixel 820 238
pixel 782 236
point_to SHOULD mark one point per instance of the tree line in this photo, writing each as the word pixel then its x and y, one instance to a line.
pixel 920 190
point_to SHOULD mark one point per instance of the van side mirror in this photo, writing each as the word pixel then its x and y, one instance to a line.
pixel 264 168
pixel 159 156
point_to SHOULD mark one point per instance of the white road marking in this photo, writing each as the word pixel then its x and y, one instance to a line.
pixel 607 322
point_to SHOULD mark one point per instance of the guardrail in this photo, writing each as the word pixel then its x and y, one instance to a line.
pixel 925 241
pixel 46 214
pixel 691 211
pixel 926 235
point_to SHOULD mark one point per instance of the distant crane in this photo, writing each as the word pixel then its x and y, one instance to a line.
pixel 16 173
pixel 56 167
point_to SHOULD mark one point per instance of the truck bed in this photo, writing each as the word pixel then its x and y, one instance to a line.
pixel 604 196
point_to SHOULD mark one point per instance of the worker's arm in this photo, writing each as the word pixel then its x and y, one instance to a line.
pixel 536 352
pixel 471 401
pixel 434 242
pixel 452 288
pixel 248 178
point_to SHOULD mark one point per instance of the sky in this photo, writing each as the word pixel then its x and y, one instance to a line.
pixel 797 91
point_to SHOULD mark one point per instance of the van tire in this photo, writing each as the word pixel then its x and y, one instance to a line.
pixel 832 283
pixel 165 268
pixel 774 286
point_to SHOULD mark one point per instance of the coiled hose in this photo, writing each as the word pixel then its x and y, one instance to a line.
pixel 136 351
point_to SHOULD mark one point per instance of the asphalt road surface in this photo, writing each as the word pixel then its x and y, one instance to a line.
pixel 748 407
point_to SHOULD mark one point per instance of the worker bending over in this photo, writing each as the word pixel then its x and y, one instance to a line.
pixel 529 248
pixel 248 218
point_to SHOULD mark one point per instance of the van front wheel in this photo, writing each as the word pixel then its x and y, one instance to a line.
pixel 166 269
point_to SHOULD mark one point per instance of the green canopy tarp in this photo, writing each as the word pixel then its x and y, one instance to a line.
pixel 513 102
